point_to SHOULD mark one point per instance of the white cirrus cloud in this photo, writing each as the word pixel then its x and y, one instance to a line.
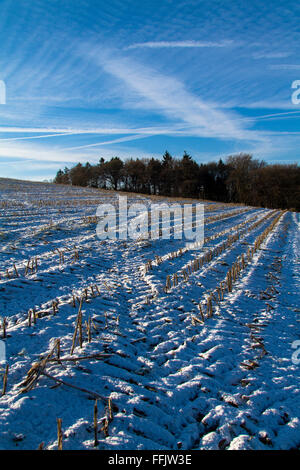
pixel 271 55
pixel 170 98
pixel 179 44
pixel 285 67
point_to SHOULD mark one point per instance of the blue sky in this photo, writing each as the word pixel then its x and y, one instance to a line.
pixel 87 79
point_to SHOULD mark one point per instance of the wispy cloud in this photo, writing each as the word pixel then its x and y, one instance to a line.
pixel 169 97
pixel 285 67
pixel 110 142
pixel 44 136
pixel 31 155
pixel 271 55
pixel 177 44
pixel 38 153
pixel 131 133
pixel 274 116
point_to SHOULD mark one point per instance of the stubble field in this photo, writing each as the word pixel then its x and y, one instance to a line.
pixel 146 344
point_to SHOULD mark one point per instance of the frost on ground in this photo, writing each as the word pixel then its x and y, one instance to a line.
pixel 182 348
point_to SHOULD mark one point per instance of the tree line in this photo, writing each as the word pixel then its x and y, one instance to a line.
pixel 239 179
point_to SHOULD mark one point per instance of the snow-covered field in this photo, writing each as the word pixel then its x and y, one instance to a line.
pixel 182 348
